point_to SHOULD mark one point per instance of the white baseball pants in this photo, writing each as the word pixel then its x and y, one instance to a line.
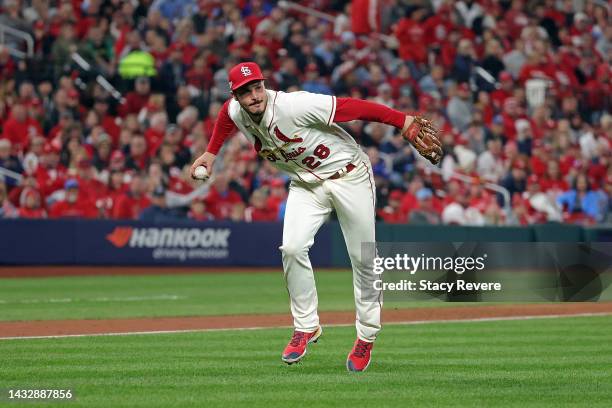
pixel 308 205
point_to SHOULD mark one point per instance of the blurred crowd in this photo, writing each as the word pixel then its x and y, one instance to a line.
pixel 521 91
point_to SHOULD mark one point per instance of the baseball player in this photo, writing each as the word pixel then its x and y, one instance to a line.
pixel 298 133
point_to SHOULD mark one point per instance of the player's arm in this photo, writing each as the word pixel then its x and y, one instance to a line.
pixel 348 109
pixel 417 130
pixel 224 128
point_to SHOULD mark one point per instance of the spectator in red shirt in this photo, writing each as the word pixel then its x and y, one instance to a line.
pixel 258 210
pixel 156 132
pixel 511 113
pixel 138 98
pixel 537 66
pixel 438 26
pixel 221 198
pixel 129 206
pixel 409 200
pixel 505 90
pixel 410 32
pixel 75 205
pixel 393 213
pixel 88 183
pixel 30 204
pixel 20 128
pixel 278 194
pixel 200 75
pixel 50 173
pixel 116 188
pixel 516 18
pixel 553 181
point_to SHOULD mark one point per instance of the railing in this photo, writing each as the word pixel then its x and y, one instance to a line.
pixel 488 185
pixel 29 41
pixel 289 5
pixel 6 173
pixel 100 79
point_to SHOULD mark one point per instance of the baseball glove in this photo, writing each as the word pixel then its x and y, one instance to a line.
pixel 424 137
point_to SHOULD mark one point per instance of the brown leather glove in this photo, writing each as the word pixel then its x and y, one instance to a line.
pixel 424 137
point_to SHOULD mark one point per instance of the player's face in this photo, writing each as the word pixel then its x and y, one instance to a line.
pixel 252 97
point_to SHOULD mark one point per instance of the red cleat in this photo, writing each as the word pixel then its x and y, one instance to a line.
pixel 296 349
pixel 359 357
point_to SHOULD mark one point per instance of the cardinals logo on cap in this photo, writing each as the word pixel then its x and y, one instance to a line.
pixel 245 71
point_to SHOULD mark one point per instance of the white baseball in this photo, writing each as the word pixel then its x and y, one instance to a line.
pixel 200 173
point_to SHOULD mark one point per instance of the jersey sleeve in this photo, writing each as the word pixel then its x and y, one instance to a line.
pixel 310 109
pixel 224 128
pixel 348 109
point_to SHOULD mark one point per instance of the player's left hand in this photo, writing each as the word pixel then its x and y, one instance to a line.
pixel 422 134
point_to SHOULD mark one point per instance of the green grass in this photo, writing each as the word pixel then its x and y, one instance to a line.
pixel 529 363
pixel 98 297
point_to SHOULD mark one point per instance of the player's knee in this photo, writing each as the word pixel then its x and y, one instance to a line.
pixel 293 250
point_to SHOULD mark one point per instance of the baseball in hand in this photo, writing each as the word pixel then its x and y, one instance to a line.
pixel 200 173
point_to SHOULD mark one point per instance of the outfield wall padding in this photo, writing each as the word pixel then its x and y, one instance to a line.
pixel 188 243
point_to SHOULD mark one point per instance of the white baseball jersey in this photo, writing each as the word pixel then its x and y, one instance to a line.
pixel 297 135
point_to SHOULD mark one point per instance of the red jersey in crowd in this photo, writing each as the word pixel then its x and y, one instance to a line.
pixel 220 204
pixel 128 207
pixel 92 188
pixel 20 133
pixel 254 214
pixel 50 179
pixel 154 139
pixel 411 37
pixel 34 213
pixel 134 102
pixel 109 123
pixel 392 215
pixel 82 208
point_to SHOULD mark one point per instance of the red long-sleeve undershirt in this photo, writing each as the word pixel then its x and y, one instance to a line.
pixel 347 109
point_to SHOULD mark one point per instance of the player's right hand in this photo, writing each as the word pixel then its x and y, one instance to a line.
pixel 207 160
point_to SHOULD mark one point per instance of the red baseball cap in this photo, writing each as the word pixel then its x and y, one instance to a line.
pixel 505 76
pixel 49 148
pixel 533 179
pixel 396 195
pixel 117 155
pixel 243 73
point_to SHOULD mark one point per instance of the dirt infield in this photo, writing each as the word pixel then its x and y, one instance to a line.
pixel 166 324
pixel 84 327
